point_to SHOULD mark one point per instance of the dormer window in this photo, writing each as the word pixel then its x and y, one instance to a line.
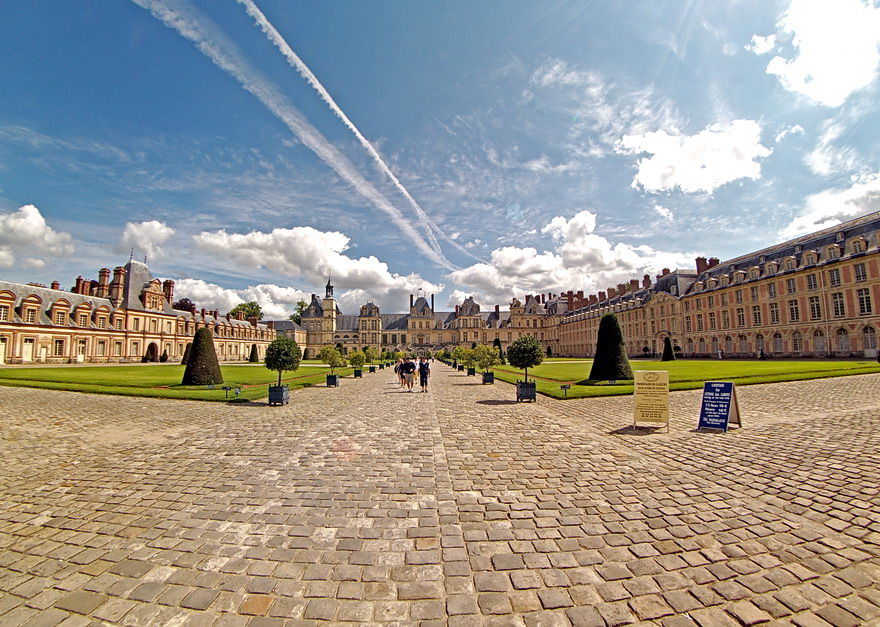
pixel 858 246
pixel 833 252
pixel 790 263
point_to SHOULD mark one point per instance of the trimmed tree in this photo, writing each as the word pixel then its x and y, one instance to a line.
pixel 255 355
pixel 371 354
pixel 668 352
pixel 610 362
pixel 331 356
pixel 525 353
pixel 164 356
pixel 282 354
pixel 357 359
pixel 486 356
pixel 186 353
pixel 202 368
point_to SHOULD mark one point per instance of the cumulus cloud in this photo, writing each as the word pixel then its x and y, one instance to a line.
pixel 761 45
pixel 25 231
pixel 797 129
pixel 581 260
pixel 834 206
pixel 827 158
pixel 719 154
pixel 305 252
pixel 277 302
pixel 145 237
pixel 835 49
pixel 663 212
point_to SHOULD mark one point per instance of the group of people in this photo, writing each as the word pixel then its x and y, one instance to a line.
pixel 406 370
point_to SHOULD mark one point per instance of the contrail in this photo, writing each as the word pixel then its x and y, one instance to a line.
pixel 304 71
pixel 210 41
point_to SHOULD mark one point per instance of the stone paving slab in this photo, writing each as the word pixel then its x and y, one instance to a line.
pixel 365 504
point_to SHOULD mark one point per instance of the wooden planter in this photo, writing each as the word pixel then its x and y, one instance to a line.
pixel 526 391
pixel 471 372
pixel 332 380
pixel 489 377
pixel 279 395
pixel 358 374
pixel 372 369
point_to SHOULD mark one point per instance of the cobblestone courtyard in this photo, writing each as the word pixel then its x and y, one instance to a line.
pixel 365 504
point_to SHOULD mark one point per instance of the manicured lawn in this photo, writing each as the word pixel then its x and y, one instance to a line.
pixel 683 374
pixel 163 380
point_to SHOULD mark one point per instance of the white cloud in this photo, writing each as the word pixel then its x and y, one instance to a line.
pixel 305 252
pixel 834 206
pixel 145 237
pixel 582 260
pixel 276 302
pixel 26 232
pixel 826 158
pixel 664 212
pixel 761 45
pixel 835 49
pixel 719 154
pixel 797 129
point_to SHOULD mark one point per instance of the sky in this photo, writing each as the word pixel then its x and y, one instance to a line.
pixel 251 149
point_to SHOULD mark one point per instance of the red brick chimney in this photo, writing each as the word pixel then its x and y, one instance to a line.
pixel 56 285
pixel 713 261
pixel 646 281
pixel 103 283
pixel 117 286
pixel 612 292
pixel 601 296
pixel 633 285
pixel 168 289
pixel 702 264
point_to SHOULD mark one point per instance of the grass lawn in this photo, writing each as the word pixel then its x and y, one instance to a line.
pixel 163 380
pixel 683 374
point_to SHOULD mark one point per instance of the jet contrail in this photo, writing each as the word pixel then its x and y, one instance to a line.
pixel 210 41
pixel 299 65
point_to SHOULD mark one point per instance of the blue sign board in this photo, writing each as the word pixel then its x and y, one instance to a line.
pixel 719 407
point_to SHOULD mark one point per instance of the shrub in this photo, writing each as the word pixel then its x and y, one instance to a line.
pixel 668 352
pixel 186 353
pixel 357 359
pixel 331 356
pixel 610 362
pixel 282 354
pixel 164 356
pixel 486 356
pixel 202 367
pixel 525 353
pixel 255 355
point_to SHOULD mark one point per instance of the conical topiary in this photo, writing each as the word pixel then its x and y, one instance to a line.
pixel 255 355
pixel 610 362
pixel 668 353
pixel 202 367
pixel 186 353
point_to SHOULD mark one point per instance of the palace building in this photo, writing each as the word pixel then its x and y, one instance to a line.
pixel 123 319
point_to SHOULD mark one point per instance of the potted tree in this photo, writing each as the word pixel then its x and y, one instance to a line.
pixel 370 353
pixel 281 354
pixel 525 353
pixel 357 359
pixel 331 356
pixel 485 357
pixel 468 359
pixel 457 355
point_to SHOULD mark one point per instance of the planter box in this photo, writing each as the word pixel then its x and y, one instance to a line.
pixel 381 366
pixel 279 395
pixel 332 380
pixel 526 391
pixel 461 368
pixel 358 374
pixel 489 377
pixel 471 372
pixel 372 369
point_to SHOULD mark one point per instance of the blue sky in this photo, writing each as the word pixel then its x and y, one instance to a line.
pixel 251 148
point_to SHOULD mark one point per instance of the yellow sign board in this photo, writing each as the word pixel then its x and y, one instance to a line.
pixel 651 397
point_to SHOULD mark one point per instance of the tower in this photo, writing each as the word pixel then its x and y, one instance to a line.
pixel 328 324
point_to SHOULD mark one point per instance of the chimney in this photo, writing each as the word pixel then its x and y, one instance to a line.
pixel 457 309
pixel 239 315
pixel 168 288
pixel 93 288
pixel 633 285
pixel 79 283
pixel 665 271
pixel 580 294
pixel 570 298
pixel 56 285
pixel 593 299
pixel 646 281
pixel 611 293
pixel 702 265
pixel 203 312
pixel 270 325
pixel 432 302
pixel 216 314
pixel 601 296
pixel 192 309
pixel 228 317
pixel 103 283
pixel 713 261
pixel 117 286
pixel 498 311
pixel 253 321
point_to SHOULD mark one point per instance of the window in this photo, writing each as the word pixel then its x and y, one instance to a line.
pixel 740 317
pixel 101 348
pixel 60 316
pixel 864 296
pixel 83 320
pixel 771 290
pixel 102 322
pixel 136 325
pixel 796 342
pixel 833 252
pixel 815 308
pixel 858 246
pixel 777 343
pixel 30 315
pixel 811 282
pixel 4 313
pixel 869 338
pixel 794 311
pixel 699 322
pixel 710 302
pixel 860 272
pixel 58 348
pixel 117 349
pixel 756 315
pixel 774 313
pixel 790 286
pixel 834 276
pixel 725 319
pixel 837 304
pixel 739 296
pixel 842 340
pixel 819 341
pixel 712 325
pixel 687 324
pixel 699 304
pixel 724 300
pixel 119 323
pixel 754 293
pixel 135 348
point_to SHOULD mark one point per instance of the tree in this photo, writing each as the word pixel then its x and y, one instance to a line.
pixel 371 354
pixel 250 310
pixel 184 304
pixel 202 368
pixel 164 356
pixel 610 362
pixel 497 344
pixel 282 354
pixel 357 359
pixel 458 354
pixel 467 358
pixel 525 353
pixel 331 356
pixel 296 316
pixel 255 355
pixel 186 353
pixel 668 352
pixel 486 356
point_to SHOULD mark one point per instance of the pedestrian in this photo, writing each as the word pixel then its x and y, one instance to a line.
pixel 424 374
pixel 720 354
pixel 409 369
pixel 398 370
pixel 761 353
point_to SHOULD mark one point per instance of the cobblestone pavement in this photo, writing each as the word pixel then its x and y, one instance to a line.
pixel 366 504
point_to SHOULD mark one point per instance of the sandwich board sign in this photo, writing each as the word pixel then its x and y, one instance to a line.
pixel 651 392
pixel 719 408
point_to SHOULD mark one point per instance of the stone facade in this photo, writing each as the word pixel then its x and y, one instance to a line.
pixel 120 320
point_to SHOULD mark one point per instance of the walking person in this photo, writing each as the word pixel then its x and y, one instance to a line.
pixel 424 373
pixel 409 369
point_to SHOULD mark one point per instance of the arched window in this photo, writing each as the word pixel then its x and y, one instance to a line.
pixel 777 342
pixel 842 340
pixel 728 344
pixel 702 345
pixel 869 338
pixel 819 341
pixel 796 342
pixel 690 346
pixel 759 342
pixel 714 345
pixel 743 344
